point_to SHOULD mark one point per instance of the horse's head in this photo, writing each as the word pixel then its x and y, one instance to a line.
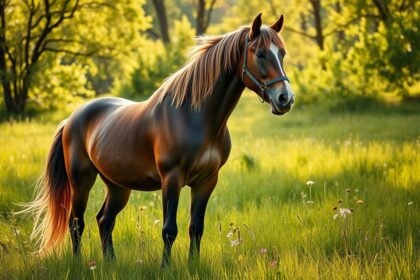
pixel 262 66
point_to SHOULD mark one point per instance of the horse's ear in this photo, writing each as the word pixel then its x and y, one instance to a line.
pixel 278 25
pixel 256 27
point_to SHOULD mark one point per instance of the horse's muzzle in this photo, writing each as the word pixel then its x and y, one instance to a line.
pixel 281 103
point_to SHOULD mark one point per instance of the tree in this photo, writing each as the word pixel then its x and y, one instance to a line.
pixel 203 15
pixel 162 19
pixel 76 31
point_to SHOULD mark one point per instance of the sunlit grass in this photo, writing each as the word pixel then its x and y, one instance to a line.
pixel 263 220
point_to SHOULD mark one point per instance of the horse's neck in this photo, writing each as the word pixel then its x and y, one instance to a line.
pixel 220 104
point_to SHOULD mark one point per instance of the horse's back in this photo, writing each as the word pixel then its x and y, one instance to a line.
pixel 113 134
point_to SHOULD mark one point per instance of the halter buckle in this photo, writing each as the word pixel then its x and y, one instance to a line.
pixel 263 87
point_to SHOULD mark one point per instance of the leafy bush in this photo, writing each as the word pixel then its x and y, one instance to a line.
pixel 157 61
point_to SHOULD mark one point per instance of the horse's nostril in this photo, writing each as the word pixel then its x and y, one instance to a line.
pixel 283 98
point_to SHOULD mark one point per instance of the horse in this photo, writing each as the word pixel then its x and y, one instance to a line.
pixel 178 137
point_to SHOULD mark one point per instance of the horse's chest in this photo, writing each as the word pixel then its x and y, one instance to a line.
pixel 209 159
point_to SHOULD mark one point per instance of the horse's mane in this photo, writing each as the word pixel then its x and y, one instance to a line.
pixel 208 60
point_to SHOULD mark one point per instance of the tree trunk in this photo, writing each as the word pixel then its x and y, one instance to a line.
pixel 316 6
pixel 382 9
pixel 303 23
pixel 7 94
pixel 163 23
pixel 200 29
pixel 340 36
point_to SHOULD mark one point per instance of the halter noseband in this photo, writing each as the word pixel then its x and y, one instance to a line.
pixel 261 85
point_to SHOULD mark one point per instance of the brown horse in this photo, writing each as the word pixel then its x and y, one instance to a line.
pixel 177 137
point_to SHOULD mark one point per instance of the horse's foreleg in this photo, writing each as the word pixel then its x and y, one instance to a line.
pixel 200 194
pixel 171 187
pixel 116 199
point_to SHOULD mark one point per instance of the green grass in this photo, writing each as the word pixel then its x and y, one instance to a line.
pixel 262 198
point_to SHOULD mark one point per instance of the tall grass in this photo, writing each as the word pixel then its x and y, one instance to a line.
pixel 263 220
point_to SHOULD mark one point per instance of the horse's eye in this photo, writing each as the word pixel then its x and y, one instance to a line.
pixel 260 54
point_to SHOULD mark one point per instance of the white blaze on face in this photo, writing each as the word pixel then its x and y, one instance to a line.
pixel 275 50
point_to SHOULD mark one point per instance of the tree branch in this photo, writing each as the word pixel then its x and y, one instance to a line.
pixel 300 32
pixel 209 11
pixel 32 11
pixel 342 26
pixel 44 33
pixel 76 53
pixel 61 40
pixel 381 9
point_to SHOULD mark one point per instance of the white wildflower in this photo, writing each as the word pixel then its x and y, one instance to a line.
pixel 235 242
pixel 344 212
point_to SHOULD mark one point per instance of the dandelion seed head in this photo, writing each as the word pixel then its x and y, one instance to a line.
pixel 348 190
pixel 235 242
pixel 344 212
pixel 410 203
pixel 360 202
pixel 310 183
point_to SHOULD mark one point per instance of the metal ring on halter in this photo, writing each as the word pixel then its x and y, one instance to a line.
pixel 262 89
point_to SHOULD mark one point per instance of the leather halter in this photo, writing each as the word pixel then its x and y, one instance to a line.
pixel 261 85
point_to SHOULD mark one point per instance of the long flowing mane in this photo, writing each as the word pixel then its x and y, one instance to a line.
pixel 208 60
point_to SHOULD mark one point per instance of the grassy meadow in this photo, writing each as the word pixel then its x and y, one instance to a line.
pixel 272 214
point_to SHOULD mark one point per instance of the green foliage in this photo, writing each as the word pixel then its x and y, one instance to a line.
pixel 60 84
pixel 368 53
pixel 72 48
pixel 157 61
pixel 372 58
pixel 365 56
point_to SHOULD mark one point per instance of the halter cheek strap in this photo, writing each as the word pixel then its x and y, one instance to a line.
pixel 261 85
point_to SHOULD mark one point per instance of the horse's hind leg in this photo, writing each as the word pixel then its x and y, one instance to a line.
pixel 82 175
pixel 116 199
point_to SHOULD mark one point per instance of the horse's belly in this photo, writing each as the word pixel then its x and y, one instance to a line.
pixel 127 170
pixel 138 181
pixel 146 184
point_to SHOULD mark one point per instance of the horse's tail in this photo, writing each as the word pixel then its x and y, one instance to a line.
pixel 52 204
